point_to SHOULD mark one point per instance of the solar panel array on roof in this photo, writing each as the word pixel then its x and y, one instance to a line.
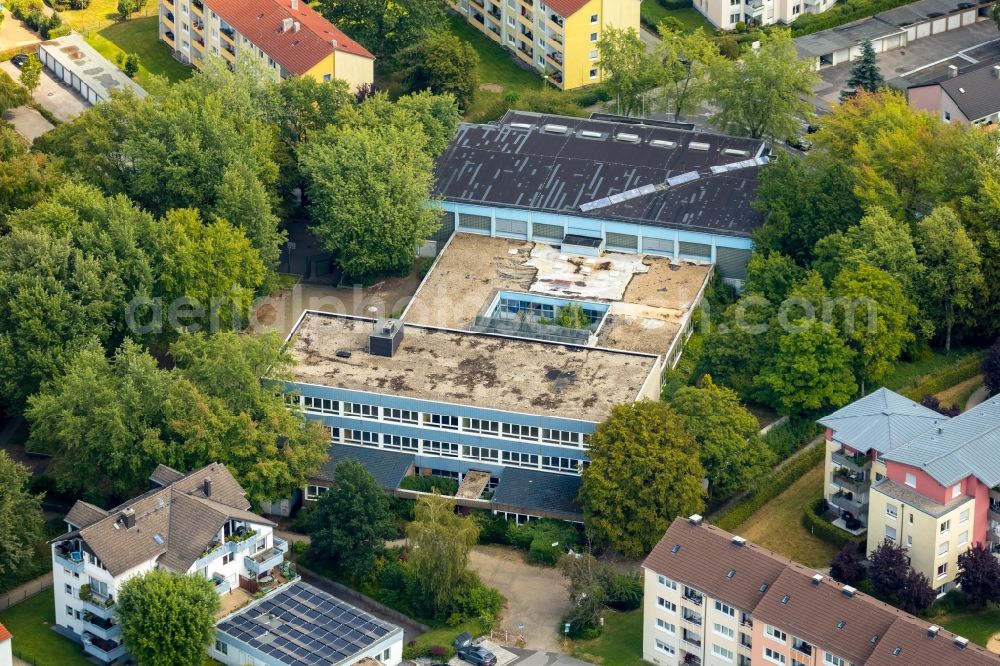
pixel 304 625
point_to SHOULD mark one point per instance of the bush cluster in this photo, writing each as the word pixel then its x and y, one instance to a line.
pixel 786 439
pixel 63 5
pixel 965 369
pixel 535 536
pixel 768 490
pixel 843 12
pixel 814 521
pixel 30 11
pixel 430 483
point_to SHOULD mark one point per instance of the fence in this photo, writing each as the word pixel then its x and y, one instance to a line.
pixel 22 592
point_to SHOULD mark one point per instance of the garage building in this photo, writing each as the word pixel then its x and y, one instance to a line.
pixel 76 63
pixel 890 29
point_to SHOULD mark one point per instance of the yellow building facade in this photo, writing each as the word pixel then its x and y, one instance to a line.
pixel 558 38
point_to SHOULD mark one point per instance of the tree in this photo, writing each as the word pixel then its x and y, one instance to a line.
pixel 872 314
pixel 20 517
pixel 681 64
pixel 846 566
pixel 626 67
pixel 991 369
pixel 368 190
pixel 386 27
pixel 441 542
pixel 588 580
pixel 764 94
pixel 917 594
pixel 167 619
pixel 131 67
pixel 811 369
pixel 31 73
pixel 644 471
pixel 887 569
pixel 445 65
pixel 352 520
pixel 865 74
pixel 25 177
pixel 979 576
pixel 772 275
pixel 126 8
pixel 932 402
pixel 738 345
pixel 11 93
pixel 951 263
pixel 733 455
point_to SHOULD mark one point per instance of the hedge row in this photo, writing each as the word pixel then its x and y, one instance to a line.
pixel 842 12
pixel 819 526
pixel 964 369
pixel 738 513
pixel 790 436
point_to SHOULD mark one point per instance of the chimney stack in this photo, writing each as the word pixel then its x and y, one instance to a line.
pixel 128 517
pixel 334 43
pixel 286 25
pixel 208 486
pixel 295 5
pixel 297 26
pixel 952 71
pixel 996 71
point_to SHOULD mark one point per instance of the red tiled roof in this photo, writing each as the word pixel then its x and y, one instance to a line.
pixel 4 634
pixel 566 8
pixel 298 52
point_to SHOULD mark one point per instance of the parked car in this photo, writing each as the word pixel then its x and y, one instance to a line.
pixel 799 143
pixel 19 60
pixel 473 654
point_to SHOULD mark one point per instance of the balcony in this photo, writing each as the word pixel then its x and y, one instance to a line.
pixel 168 4
pixel 100 626
pixel 199 27
pixel 102 649
pixel 168 20
pixel 263 562
pixel 692 597
pixel 70 559
pixel 479 18
pixel 168 37
pixel 479 3
pixel 555 59
pixel 221 584
pixel 97 605
pixel 857 462
pixel 852 481
pixel 198 8
pixel 691 659
pixel 802 648
pixel 493 32
pixel 858 506
pixel 994 511
pixel 554 23
pixel 691 618
pixel 494 12
pixel 746 641
pixel 691 639
pixel 228 34
pixel 527 53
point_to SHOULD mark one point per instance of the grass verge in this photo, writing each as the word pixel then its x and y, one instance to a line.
pixel 921 374
pixel 978 627
pixel 651 13
pixel 34 641
pixel 139 36
pixel 620 644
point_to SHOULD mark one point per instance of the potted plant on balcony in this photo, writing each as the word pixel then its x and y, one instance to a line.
pixel 85 594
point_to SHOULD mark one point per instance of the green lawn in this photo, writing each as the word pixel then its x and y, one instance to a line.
pixel 34 641
pixel 652 13
pixel 620 644
pixel 140 36
pixel 101 13
pixel 778 526
pixel 910 374
pixel 977 627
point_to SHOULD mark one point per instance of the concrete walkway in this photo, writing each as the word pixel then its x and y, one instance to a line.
pixel 28 122
pixel 978 396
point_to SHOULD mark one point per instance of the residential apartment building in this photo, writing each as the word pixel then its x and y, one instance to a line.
pixel 713 598
pixel 622 184
pixel 198 523
pixel 556 37
pixel 725 14
pixel 972 96
pixel 935 488
pixel 858 437
pixel 409 399
pixel 287 37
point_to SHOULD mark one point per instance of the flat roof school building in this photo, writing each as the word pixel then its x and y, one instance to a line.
pixel 622 184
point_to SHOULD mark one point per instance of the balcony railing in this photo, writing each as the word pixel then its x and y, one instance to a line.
pixel 72 560
pixel 692 640
pixel 104 650
pixel 995 511
pixel 855 483
pixel 858 462
pixel 264 562
pixel 693 597
pixel 855 505
pixel 98 605
pixel 228 33
pixel 803 648
pixel 101 627
pixel 692 618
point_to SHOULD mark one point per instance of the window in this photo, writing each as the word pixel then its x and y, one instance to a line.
pixel 221 647
pixel 909 541
pixel 593 73
pixel 519 459
pixel 320 405
pixel 964 516
pixel 560 464
pixel 943 548
pixel 947 115
pixel 69 589
pixel 664 647
pixel 734 3
pixel 362 410
pixel 666 582
pixel 401 443
pixel 512 23
pixel 723 630
pixel 945 526
pixel 593 54
pixel 890 532
pixel 963 538
pixel 666 605
pixel 362 437
pixel 891 511
pixel 593 37
pixel 399 415
pixel 775 633
pixel 99 587
pixel 942 570
pixel 834 660
pixel 441 421
pixel 774 655
pixel 722 652
pixel 725 609
pixel 386 654
pixel 519 431
pixel 481 425
pixel 563 437
pixel 665 626
pixel 796 9
pixel 911 518
pixel 446 449
pixel 481 453
pixel 227 558
pixel 956 490
pixel 313 492
pixel 911 480
pixel 69 611
pixel 270 63
pixel 593 18
pixel 326 77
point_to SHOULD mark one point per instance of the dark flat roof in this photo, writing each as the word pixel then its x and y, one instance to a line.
pixel 532 490
pixel 301 624
pixel 388 467
pixel 515 163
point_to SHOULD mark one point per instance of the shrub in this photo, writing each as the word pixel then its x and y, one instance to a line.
pixel 768 490
pixel 492 529
pixel 624 592
pixel 592 96
pixel 786 439
pixel 537 537
pixel 965 368
pixel 814 521
pixel 541 552
pixel 394 584
pixel 675 4
pixel 480 602
pixel 430 483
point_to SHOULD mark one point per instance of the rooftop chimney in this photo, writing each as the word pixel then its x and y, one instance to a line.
pixel 933 630
pixel 128 517
pixel 295 5
pixel 961 642
pixel 952 71
pixel 695 519
pixel 739 541
pixel 286 25
pixel 849 591
pixel 334 43
pixel 817 579
pixel 996 71
pixel 207 485
pixel 297 26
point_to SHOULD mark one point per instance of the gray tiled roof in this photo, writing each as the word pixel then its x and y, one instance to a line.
pixel 976 93
pixel 84 513
pixel 966 444
pixel 173 524
pixel 531 490
pixel 388 467
pixel 882 420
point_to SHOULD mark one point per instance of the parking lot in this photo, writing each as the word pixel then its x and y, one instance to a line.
pixel 56 98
